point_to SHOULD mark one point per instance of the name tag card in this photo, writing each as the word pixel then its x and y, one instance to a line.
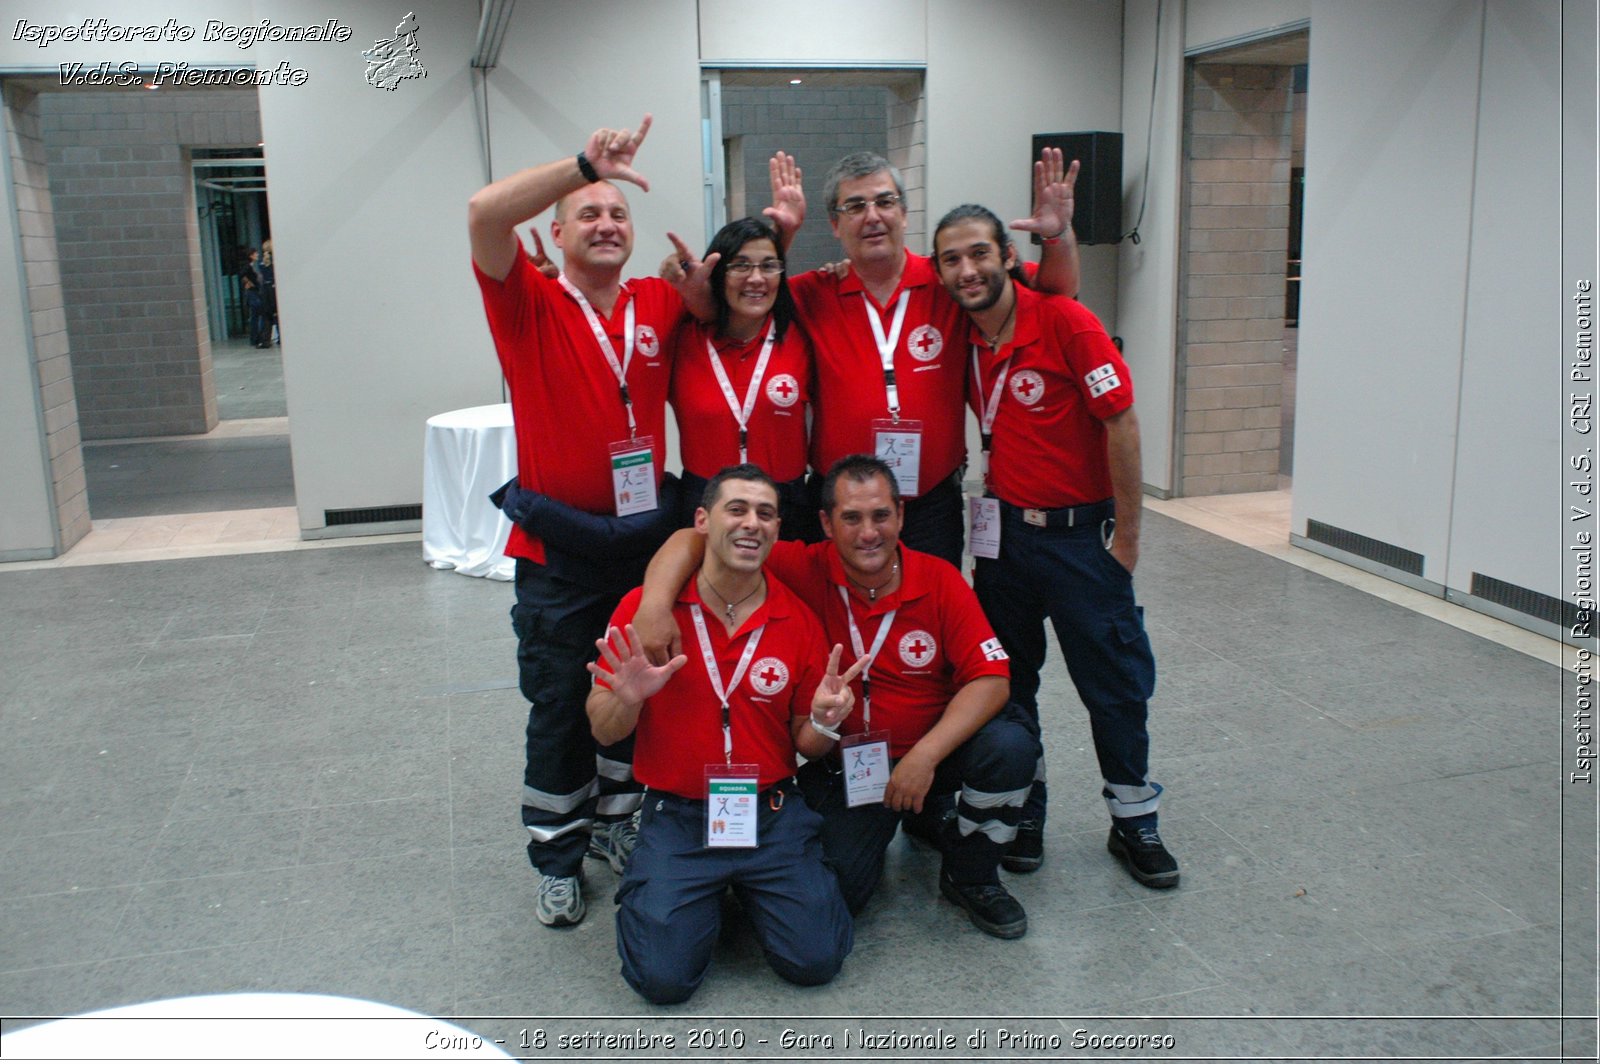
pixel 866 767
pixel 983 527
pixel 633 475
pixel 732 793
pixel 899 444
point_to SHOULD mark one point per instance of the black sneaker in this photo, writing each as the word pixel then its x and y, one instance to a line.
pixel 1026 852
pixel 990 906
pixel 1146 858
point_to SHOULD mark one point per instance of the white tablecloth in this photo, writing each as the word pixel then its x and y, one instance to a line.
pixel 249 1027
pixel 466 455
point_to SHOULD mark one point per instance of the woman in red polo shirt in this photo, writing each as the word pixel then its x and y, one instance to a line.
pixel 741 382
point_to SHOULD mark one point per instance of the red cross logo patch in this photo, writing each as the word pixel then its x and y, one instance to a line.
pixel 917 649
pixel 769 676
pixel 925 343
pixel 1027 387
pixel 646 342
pixel 783 390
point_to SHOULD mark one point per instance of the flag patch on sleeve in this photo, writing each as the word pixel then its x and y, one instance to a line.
pixel 993 651
pixel 1102 380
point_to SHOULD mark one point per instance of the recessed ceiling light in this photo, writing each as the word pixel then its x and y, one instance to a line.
pixel 794 81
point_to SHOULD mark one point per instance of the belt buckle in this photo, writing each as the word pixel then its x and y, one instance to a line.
pixel 1035 517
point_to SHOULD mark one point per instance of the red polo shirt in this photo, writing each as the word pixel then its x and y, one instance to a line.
pixel 1065 376
pixel 928 363
pixel 680 727
pixel 564 395
pixel 938 642
pixel 708 433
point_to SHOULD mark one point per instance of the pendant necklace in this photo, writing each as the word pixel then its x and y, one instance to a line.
pixel 729 607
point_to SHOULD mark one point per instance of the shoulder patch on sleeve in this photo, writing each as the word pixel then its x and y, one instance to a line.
pixel 993 651
pixel 1102 380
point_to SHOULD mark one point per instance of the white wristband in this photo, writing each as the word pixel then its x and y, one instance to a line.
pixel 822 729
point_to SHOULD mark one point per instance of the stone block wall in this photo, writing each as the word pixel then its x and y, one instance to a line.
pixel 816 124
pixel 123 190
pixel 1236 216
pixel 51 347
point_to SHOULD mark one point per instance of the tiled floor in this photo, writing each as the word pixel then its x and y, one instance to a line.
pixel 297 769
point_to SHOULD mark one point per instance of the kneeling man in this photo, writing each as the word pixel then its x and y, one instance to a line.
pixel 717 732
pixel 935 720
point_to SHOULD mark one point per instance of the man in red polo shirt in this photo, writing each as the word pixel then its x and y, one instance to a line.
pixel 934 718
pixel 717 730
pixel 890 369
pixel 1054 401
pixel 584 359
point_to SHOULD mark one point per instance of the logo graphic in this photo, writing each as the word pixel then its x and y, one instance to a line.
pixel 1028 387
pixel 993 651
pixel 783 390
pixel 1102 380
pixel 646 342
pixel 917 649
pixel 925 343
pixel 769 676
pixel 393 61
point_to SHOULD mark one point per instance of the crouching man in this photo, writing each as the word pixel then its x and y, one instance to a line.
pixel 717 730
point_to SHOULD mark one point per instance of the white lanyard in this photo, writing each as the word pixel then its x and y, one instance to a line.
pixel 992 407
pixel 619 368
pixel 860 649
pixel 742 415
pixel 715 675
pixel 887 344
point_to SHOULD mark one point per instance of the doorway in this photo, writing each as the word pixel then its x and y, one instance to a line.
pixel 138 263
pixel 818 116
pixel 1240 269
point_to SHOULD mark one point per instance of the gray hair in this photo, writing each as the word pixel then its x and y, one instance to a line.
pixel 854 165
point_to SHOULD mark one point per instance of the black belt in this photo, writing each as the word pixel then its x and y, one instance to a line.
pixel 1088 515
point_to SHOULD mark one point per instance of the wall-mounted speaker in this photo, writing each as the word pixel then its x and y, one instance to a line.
pixel 1097 207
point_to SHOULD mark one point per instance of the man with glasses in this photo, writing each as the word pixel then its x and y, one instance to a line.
pixel 890 362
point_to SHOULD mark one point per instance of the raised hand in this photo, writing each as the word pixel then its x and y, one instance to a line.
pixel 540 260
pixel 788 210
pixel 611 151
pixel 691 277
pixel 834 699
pixel 1053 194
pixel 629 674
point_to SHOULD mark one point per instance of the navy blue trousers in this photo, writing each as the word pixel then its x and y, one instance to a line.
pixel 987 777
pixel 569 781
pixel 670 902
pixel 1067 576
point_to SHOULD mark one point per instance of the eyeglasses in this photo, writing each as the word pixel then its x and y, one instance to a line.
pixel 768 267
pixel 885 201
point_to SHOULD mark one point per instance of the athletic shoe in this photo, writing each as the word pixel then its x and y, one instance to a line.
pixel 1026 852
pixel 613 843
pixel 990 906
pixel 560 902
pixel 1146 858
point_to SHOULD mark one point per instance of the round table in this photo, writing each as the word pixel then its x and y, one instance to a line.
pixel 250 1026
pixel 467 454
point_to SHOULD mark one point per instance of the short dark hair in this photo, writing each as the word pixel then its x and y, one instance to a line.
pixel 858 468
pixel 745 471
pixel 858 164
pixel 729 239
pixel 974 212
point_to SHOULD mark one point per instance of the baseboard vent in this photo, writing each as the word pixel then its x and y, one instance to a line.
pixel 373 515
pixel 1533 603
pixel 1407 561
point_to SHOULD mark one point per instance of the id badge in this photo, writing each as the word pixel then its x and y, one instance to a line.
pixel 866 767
pixel 731 804
pixel 983 528
pixel 899 444
pixel 633 475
